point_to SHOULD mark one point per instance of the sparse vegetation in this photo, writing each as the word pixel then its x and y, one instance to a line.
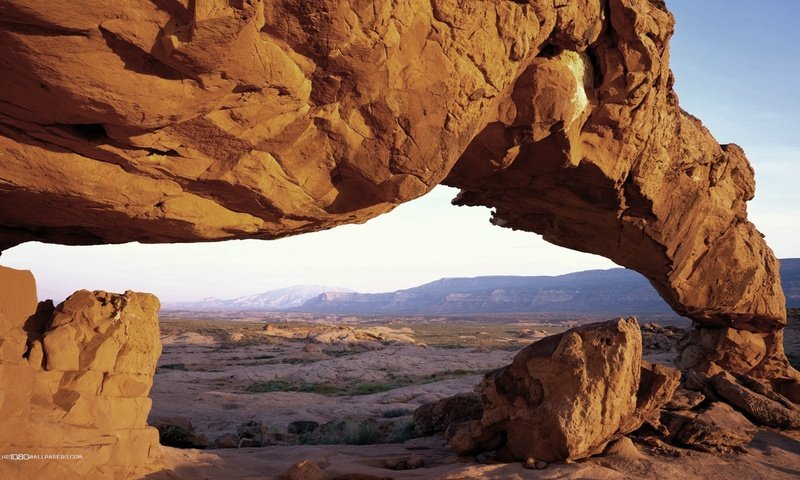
pixel 271 386
pixel 344 432
pixel 320 388
pixel 396 412
pixel 173 366
pixel 343 353
pixel 364 434
pixel 368 388
pixel 472 335
pixel 405 432
pixel 355 388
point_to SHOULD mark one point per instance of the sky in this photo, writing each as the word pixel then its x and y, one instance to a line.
pixel 736 64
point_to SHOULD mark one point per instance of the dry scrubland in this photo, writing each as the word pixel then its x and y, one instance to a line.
pixel 254 395
pixel 280 372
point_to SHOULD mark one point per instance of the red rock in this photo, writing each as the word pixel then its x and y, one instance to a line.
pixel 83 388
pixel 438 416
pixel 719 428
pixel 173 121
pixel 562 397
pixel 766 408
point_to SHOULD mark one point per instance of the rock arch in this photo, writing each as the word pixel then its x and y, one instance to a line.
pixel 175 121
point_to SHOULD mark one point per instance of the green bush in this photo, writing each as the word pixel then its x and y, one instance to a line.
pixel 271 386
pixel 321 388
pixel 368 388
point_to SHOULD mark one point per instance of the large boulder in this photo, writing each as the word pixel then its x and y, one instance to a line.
pixel 567 395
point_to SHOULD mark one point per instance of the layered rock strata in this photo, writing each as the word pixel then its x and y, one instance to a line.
pixel 173 120
pixel 567 396
pixel 75 383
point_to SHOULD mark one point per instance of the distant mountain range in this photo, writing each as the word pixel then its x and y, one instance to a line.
pixel 614 291
pixel 273 300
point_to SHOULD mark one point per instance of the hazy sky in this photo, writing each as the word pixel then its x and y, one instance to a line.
pixel 736 63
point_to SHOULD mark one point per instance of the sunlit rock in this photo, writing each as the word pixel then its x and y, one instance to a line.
pixel 81 389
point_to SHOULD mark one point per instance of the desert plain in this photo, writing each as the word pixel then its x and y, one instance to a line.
pixel 258 393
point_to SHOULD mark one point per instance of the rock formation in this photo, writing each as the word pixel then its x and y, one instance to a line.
pixel 718 428
pixel 438 416
pixel 568 395
pixel 174 120
pixel 75 382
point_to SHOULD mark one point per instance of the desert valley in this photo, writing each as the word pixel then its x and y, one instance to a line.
pixel 261 393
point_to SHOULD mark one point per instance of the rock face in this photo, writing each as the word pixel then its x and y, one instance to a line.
pixel 229 119
pixel 759 354
pixel 567 395
pixel 719 428
pixel 757 401
pixel 657 385
pixel 438 416
pixel 174 120
pixel 80 386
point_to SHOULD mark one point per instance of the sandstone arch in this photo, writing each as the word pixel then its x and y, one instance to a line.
pixel 215 119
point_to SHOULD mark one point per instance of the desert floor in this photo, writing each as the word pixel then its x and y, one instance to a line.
pixel 370 374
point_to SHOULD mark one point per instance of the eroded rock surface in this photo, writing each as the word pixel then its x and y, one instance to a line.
pixel 758 354
pixel 438 416
pixel 184 121
pixel 228 119
pixel 567 395
pixel 758 401
pixel 80 386
pixel 718 428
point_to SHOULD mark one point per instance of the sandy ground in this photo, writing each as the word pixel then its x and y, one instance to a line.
pixel 205 377
pixel 772 455
pixel 211 391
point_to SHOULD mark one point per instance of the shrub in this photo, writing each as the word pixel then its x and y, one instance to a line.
pixel 405 432
pixel 321 388
pixel 270 386
pixel 173 366
pixel 363 434
pixel 369 388
pixel 396 412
